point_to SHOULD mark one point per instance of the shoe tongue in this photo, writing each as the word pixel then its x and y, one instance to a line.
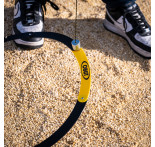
pixel 29 3
pixel 29 13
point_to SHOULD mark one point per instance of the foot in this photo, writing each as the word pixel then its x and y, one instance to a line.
pixel 130 23
pixel 29 17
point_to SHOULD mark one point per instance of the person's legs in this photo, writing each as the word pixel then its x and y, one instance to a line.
pixel 118 3
pixel 124 18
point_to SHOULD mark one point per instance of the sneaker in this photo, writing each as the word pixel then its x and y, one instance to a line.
pixel 130 24
pixel 29 17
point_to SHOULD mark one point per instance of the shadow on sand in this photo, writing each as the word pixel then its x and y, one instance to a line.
pixel 91 34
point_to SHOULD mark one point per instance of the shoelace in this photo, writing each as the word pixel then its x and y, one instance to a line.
pixel 142 26
pixel 31 7
pixel 43 2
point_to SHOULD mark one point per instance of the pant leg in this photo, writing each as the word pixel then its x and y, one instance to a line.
pixel 118 3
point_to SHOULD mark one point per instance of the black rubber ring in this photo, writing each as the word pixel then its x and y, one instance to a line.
pixel 70 121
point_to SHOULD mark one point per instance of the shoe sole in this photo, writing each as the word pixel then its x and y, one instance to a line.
pixel 110 27
pixel 28 45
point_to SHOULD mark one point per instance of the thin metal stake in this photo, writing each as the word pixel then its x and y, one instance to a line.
pixel 76 23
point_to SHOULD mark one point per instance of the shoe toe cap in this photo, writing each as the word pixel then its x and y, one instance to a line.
pixel 146 40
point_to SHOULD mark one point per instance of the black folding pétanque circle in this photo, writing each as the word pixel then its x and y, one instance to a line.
pixel 70 121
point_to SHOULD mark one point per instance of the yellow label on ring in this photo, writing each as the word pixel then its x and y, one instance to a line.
pixel 85 75
pixel 85 70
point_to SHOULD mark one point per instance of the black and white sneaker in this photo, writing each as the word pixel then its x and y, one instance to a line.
pixel 130 23
pixel 29 17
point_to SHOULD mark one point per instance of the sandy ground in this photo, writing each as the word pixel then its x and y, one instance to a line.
pixel 42 85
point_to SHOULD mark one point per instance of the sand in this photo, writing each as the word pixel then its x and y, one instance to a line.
pixel 42 85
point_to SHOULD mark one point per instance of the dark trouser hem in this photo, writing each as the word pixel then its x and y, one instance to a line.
pixel 118 3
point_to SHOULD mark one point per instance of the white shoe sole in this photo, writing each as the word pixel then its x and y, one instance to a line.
pixel 109 26
pixel 28 44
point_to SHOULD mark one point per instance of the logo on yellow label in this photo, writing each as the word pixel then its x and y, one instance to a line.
pixel 85 70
